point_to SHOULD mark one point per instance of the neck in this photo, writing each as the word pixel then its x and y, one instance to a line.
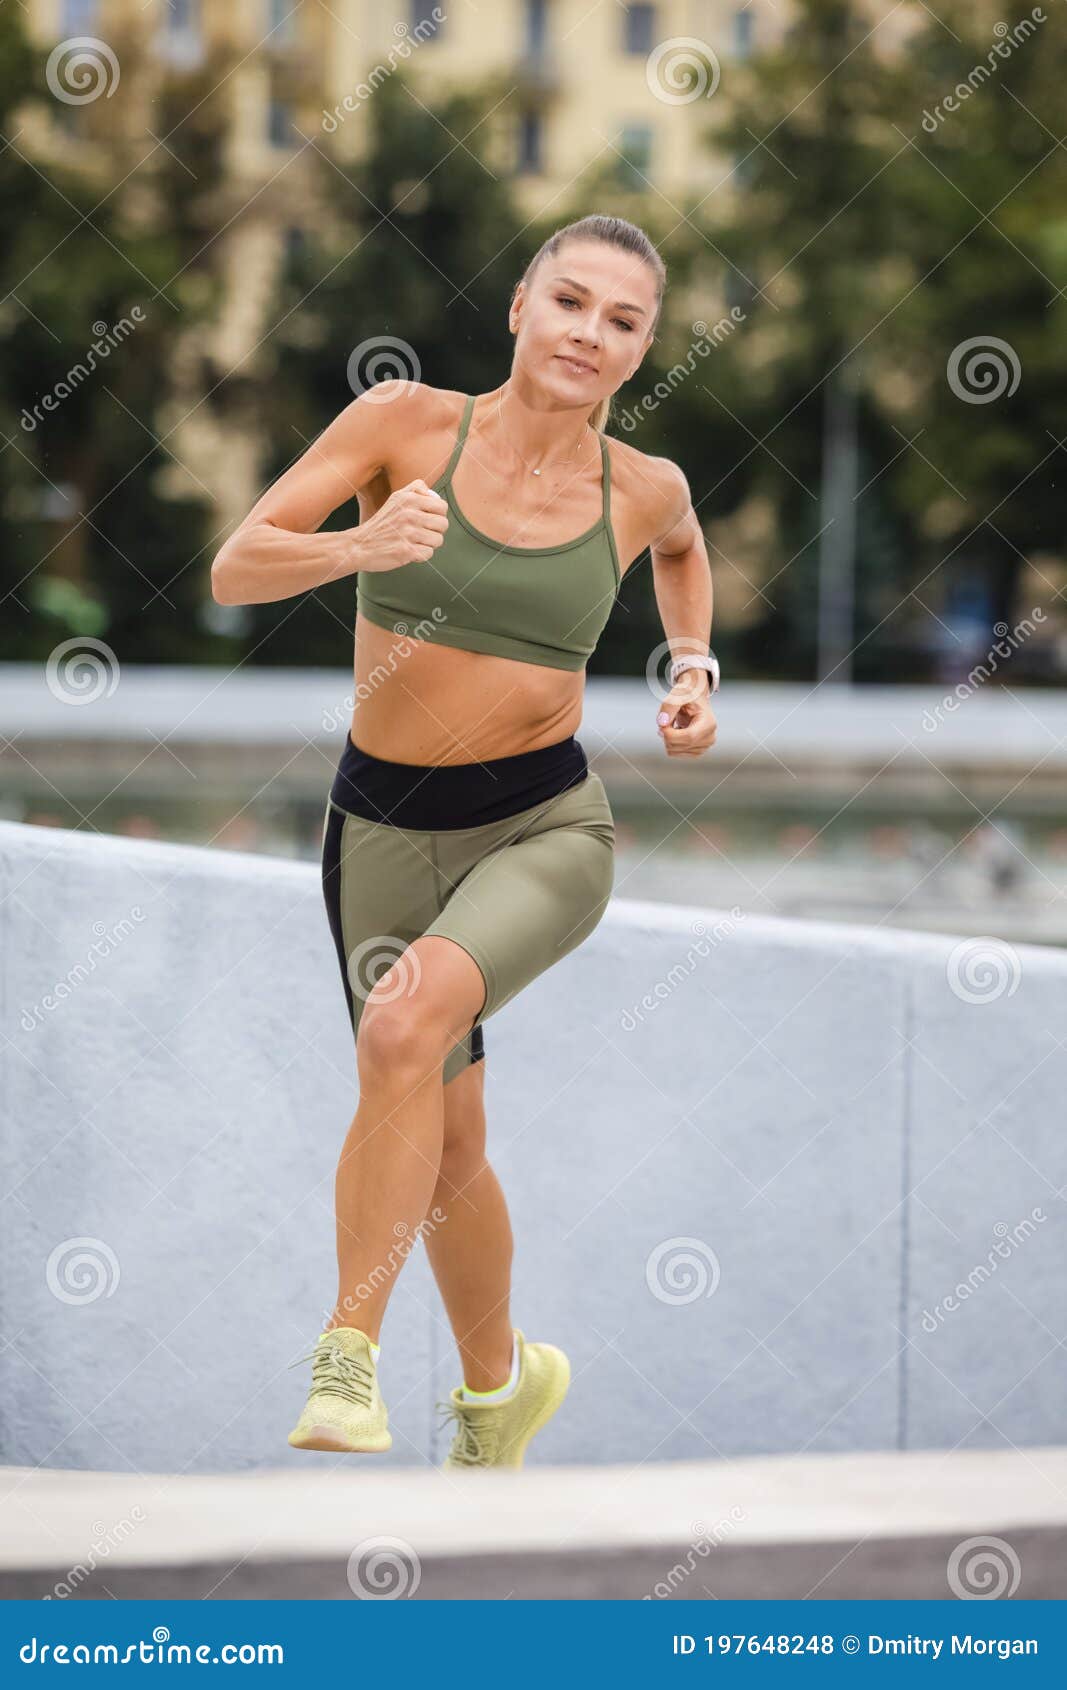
pixel 537 433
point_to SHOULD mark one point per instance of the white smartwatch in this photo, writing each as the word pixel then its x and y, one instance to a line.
pixel 711 663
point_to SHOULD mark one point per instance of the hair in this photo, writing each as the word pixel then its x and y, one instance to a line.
pixel 612 231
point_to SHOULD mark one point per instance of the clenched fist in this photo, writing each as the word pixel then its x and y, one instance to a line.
pixel 408 529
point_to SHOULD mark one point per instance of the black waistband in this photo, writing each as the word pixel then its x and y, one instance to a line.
pixel 429 797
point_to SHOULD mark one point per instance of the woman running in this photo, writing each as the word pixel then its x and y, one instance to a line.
pixel 466 844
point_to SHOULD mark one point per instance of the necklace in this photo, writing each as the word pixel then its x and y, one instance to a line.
pixel 518 454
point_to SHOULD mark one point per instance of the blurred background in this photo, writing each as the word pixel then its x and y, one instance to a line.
pixel 222 220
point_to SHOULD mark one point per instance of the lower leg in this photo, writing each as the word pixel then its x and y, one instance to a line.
pixel 385 1181
pixel 470 1248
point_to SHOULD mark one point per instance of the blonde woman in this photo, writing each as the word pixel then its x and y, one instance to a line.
pixel 466 843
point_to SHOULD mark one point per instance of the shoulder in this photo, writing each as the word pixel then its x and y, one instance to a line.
pixel 656 486
pixel 396 406
pixel 383 423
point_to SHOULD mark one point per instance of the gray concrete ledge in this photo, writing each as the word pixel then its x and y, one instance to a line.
pixel 825 1527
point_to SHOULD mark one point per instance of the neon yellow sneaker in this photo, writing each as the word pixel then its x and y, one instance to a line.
pixel 344 1410
pixel 496 1434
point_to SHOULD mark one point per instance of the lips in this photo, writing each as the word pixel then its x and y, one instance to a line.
pixel 578 366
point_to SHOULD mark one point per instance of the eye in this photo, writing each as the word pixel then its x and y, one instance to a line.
pixel 565 299
pixel 623 323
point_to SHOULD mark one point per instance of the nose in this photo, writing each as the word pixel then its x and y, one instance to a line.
pixel 587 331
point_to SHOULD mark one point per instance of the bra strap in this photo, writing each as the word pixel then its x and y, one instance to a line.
pixel 464 425
pixel 605 460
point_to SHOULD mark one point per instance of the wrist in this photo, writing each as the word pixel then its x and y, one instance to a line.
pixel 702 667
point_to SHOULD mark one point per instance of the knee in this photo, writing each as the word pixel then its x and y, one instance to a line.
pixel 395 1039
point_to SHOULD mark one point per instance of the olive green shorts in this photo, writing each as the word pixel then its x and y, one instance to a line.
pixel 517 894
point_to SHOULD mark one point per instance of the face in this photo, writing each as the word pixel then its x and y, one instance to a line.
pixel 584 322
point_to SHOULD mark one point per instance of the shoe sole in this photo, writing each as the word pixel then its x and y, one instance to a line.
pixel 328 1437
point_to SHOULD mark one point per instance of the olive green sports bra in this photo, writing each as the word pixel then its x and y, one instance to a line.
pixel 537 604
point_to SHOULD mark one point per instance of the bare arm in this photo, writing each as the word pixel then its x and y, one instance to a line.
pixel 682 581
pixel 276 552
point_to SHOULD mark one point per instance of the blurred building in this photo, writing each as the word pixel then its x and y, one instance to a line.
pixel 579 90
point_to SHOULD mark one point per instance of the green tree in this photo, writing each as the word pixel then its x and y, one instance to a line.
pixel 89 544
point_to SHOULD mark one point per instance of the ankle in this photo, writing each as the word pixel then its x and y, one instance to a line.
pixel 499 1384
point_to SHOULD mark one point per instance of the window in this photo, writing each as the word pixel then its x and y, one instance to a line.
pixel 280 130
pixel 744 30
pixel 531 144
pixel 78 16
pixel 181 40
pixel 639 29
pixel 281 21
pixel 536 26
pixel 636 161
pixel 423 20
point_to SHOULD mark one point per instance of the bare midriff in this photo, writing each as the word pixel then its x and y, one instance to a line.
pixel 430 704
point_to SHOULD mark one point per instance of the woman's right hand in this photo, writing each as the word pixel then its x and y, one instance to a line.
pixel 408 528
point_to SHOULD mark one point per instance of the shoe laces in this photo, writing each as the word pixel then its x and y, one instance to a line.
pixel 477 1435
pixel 334 1371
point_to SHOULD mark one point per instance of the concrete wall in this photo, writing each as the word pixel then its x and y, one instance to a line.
pixel 747 1163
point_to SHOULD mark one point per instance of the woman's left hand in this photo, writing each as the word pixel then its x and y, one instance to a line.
pixel 686 720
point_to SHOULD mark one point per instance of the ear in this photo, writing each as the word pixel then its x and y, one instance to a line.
pixel 515 310
pixel 639 360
